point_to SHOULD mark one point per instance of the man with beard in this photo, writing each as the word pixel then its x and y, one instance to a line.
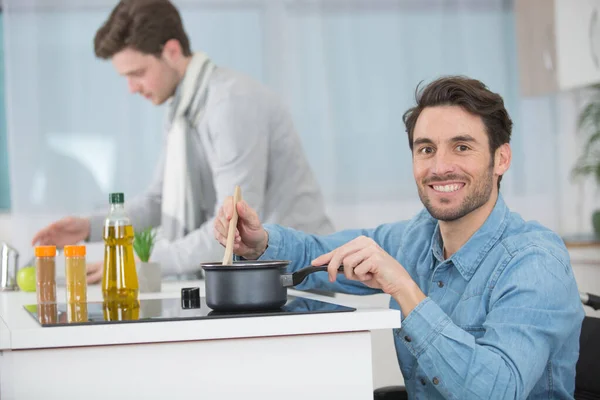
pixel 490 307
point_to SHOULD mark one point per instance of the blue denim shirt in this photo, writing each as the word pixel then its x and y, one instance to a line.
pixel 502 316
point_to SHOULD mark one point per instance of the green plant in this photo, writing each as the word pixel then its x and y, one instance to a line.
pixel 143 242
pixel 588 163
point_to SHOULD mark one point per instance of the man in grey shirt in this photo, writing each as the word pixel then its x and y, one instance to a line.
pixel 223 129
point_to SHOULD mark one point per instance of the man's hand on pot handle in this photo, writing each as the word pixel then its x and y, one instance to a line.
pixel 365 261
pixel 251 239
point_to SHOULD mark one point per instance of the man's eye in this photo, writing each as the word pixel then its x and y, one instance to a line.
pixel 426 150
pixel 462 147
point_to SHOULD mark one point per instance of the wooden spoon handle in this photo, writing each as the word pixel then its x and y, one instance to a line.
pixel 228 257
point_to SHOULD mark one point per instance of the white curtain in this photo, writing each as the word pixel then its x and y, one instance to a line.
pixel 347 69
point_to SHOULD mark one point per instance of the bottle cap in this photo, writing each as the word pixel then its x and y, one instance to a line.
pixel 116 198
pixel 190 297
pixel 45 251
pixel 74 251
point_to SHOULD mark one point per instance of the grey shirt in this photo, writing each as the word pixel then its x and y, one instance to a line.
pixel 246 137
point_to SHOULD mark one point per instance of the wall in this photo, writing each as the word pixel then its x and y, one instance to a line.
pixel 4 175
pixel 347 70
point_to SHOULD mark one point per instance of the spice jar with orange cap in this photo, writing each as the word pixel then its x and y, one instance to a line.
pixel 45 271
pixel 75 275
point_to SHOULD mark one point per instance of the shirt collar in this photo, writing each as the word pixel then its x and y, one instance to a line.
pixel 472 253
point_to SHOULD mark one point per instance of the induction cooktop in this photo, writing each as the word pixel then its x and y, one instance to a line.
pixel 157 310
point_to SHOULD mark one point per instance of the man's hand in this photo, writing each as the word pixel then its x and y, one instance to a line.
pixel 251 239
pixel 94 272
pixel 67 231
pixel 366 262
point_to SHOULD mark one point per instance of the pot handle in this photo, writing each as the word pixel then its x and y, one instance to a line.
pixel 297 277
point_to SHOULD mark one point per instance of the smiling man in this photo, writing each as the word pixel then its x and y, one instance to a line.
pixel 223 129
pixel 489 303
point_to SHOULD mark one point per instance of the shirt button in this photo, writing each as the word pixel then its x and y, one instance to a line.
pixel 440 284
pixel 407 338
pixel 435 380
pixel 423 382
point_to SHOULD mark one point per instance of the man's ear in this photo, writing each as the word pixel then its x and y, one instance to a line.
pixel 502 159
pixel 171 51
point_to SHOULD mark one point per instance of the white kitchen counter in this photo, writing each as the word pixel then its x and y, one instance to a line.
pixel 292 356
pixel 23 332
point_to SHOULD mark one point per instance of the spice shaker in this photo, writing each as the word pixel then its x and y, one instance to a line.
pixel 45 271
pixel 75 274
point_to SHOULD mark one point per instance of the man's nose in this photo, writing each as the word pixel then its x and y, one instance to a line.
pixel 133 86
pixel 443 163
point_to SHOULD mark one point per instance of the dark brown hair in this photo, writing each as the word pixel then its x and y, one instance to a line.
pixel 144 25
pixel 474 97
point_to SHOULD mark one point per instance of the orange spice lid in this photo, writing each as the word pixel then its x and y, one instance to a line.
pixel 74 251
pixel 45 251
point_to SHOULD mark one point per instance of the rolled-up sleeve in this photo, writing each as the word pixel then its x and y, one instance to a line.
pixel 301 248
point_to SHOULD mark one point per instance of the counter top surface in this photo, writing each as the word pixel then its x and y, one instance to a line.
pixel 19 330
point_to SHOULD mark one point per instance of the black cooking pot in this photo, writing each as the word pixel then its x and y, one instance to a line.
pixel 251 285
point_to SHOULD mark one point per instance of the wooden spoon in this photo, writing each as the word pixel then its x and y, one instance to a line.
pixel 228 257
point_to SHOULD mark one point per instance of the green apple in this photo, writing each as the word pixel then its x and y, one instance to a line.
pixel 26 279
pixel 31 308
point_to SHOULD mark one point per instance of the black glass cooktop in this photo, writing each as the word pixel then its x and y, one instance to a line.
pixel 157 310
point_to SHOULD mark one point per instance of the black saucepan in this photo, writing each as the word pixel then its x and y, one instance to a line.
pixel 251 285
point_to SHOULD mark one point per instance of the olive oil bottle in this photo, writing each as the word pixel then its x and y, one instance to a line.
pixel 121 310
pixel 119 279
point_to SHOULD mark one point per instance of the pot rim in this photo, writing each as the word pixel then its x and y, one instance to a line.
pixel 245 265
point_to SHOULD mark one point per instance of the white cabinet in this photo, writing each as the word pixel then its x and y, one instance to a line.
pixel 558 44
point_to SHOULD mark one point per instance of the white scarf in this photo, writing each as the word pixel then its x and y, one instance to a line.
pixel 179 207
